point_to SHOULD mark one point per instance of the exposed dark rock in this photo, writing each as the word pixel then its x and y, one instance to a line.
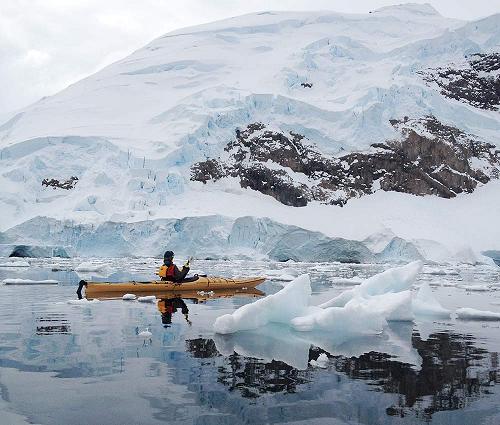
pixel 306 85
pixel 430 158
pixel 475 84
pixel 55 184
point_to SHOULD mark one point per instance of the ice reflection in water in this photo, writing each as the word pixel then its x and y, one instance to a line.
pixel 81 364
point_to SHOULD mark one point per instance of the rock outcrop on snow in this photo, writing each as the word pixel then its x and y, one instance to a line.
pixel 429 158
pixel 477 82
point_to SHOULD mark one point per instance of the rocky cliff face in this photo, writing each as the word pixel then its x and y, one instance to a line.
pixel 430 158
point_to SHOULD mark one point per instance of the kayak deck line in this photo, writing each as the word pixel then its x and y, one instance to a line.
pixel 203 283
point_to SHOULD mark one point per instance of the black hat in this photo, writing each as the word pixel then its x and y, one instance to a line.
pixel 168 254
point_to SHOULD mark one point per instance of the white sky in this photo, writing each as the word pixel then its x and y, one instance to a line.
pixel 47 44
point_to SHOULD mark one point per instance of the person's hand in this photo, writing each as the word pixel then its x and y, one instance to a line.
pixel 186 264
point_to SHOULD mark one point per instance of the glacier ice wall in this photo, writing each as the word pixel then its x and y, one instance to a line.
pixel 208 237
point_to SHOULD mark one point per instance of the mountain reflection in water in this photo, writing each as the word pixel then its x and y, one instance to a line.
pixel 453 373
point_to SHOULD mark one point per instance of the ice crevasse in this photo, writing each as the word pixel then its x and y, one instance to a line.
pixel 364 310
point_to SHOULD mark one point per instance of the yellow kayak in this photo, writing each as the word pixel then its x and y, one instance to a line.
pixel 199 295
pixel 203 283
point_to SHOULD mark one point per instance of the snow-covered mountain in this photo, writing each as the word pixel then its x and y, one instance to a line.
pixel 380 126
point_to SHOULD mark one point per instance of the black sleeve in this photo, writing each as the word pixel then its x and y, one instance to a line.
pixel 180 275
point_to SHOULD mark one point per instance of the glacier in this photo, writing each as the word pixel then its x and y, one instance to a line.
pixel 131 133
pixel 204 237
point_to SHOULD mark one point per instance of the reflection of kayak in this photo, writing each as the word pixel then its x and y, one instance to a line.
pixel 203 283
pixel 199 295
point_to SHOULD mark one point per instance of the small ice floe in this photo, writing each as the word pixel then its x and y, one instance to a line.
pixel 83 301
pixel 146 334
pixel 473 314
pixel 424 304
pixel 203 293
pixel 321 362
pixel 29 282
pixel 17 263
pixel 441 272
pixel 346 281
pixel 286 275
pixel 90 267
pixel 147 299
pixel 476 288
pixel 129 297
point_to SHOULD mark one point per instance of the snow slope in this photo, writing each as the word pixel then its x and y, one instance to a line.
pixel 131 132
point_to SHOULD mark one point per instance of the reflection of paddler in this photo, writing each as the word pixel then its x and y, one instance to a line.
pixel 168 306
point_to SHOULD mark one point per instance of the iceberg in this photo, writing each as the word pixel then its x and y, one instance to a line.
pixel 281 307
pixel 397 279
pixel 473 314
pixel 364 310
pixel 393 306
pixel 345 322
pixel 321 361
pixel 425 304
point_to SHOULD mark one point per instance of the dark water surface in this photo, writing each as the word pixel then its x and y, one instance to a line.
pixel 77 364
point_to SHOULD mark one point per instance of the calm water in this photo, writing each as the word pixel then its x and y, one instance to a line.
pixel 87 364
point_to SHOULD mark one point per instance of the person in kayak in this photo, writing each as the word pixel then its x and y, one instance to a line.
pixel 170 272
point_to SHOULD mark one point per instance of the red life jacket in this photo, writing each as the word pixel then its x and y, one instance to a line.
pixel 167 272
pixel 171 271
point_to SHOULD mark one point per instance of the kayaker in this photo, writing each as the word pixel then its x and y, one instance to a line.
pixel 170 272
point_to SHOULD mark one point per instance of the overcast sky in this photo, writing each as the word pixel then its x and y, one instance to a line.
pixel 47 44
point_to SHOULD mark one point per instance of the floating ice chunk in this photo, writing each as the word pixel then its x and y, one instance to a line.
pixel 321 362
pixel 345 322
pixel 15 264
pixel 90 267
pixel 145 334
pixel 346 281
pixel 476 288
pixel 83 301
pixel 281 307
pixel 147 299
pixel 442 272
pixel 473 314
pixel 393 280
pixel 425 304
pixel 29 282
pixel 396 307
pixel 129 297
pixel 286 274
pixel 284 278
pixel 209 293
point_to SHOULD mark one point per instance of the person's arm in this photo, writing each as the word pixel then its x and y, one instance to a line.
pixel 180 274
